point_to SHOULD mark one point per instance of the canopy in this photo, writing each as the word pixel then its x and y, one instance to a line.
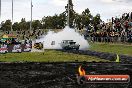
pixel 8 36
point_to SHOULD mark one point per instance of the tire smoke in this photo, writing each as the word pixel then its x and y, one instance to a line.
pixel 66 34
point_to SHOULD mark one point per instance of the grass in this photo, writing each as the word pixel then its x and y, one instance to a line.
pixel 49 56
pixel 112 48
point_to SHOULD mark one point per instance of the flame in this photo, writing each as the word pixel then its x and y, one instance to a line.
pixel 81 71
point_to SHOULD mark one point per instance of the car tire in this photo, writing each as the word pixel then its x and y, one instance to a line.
pixel 6 52
pixel 77 48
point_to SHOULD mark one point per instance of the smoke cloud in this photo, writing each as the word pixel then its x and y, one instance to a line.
pixel 66 34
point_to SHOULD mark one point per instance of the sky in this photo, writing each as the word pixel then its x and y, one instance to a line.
pixel 41 8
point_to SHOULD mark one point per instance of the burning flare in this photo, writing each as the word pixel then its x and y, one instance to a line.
pixel 81 71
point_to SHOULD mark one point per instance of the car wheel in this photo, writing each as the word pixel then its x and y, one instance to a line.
pixel 5 51
pixel 77 48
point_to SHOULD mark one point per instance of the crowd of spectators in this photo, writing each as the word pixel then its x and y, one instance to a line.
pixel 117 29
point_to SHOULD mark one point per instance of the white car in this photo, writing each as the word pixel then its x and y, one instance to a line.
pixel 17 49
pixel 69 45
pixel 3 49
pixel 27 48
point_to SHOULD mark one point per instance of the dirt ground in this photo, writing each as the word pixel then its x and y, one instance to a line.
pixel 57 75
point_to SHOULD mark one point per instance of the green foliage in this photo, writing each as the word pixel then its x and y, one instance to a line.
pixel 6 26
pixel 36 24
pixel 23 24
pixel 96 19
pixel 78 21
pixel 16 26
pixel 54 22
pixel 86 16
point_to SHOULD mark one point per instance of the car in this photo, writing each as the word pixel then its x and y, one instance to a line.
pixel 38 46
pixel 3 49
pixel 69 45
pixel 17 48
pixel 27 48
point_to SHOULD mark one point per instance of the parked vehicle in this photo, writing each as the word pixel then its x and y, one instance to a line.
pixel 3 48
pixel 27 48
pixel 38 46
pixel 17 49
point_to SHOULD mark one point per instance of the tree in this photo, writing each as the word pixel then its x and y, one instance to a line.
pixel 86 16
pixel 78 21
pixel 23 24
pixel 62 20
pixel 54 22
pixel 36 24
pixel 6 26
pixel 16 26
pixel 43 22
pixel 96 21
pixel 48 22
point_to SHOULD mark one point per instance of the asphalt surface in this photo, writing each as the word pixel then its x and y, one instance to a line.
pixel 58 75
